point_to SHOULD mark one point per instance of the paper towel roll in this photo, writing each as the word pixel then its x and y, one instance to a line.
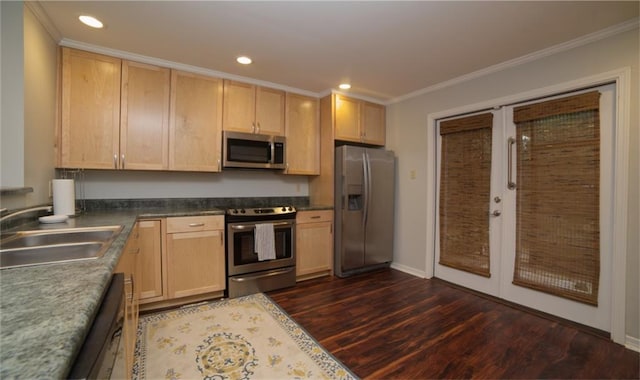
pixel 64 197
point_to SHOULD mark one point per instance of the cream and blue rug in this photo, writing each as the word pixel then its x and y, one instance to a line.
pixel 242 338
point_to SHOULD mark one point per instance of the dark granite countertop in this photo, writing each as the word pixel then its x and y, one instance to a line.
pixel 314 207
pixel 46 310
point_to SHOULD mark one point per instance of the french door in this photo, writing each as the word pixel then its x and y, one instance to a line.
pixel 524 200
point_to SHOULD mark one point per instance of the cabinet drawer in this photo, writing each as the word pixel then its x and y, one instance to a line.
pixel 314 216
pixel 195 223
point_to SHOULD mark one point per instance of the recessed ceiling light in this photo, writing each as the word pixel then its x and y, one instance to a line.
pixel 91 21
pixel 244 60
pixel 344 86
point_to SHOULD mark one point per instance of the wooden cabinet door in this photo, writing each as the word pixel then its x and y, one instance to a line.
pixel 270 105
pixel 195 263
pixel 373 123
pixel 347 118
pixel 303 135
pixel 314 244
pixel 239 109
pixel 129 266
pixel 144 123
pixel 90 125
pixel 195 122
pixel 150 283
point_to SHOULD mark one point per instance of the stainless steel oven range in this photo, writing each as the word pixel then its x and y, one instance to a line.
pixel 247 271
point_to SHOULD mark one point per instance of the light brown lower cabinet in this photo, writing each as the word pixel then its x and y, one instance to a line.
pixel 129 264
pixel 195 255
pixel 150 241
pixel 314 244
pixel 183 258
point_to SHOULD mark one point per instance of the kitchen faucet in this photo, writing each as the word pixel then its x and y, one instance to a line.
pixel 24 211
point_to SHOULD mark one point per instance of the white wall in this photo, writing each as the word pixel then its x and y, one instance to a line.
pixel 29 67
pixel 40 79
pixel 11 130
pixel 407 136
pixel 228 184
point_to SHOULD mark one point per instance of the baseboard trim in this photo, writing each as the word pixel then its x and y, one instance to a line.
pixel 632 343
pixel 409 270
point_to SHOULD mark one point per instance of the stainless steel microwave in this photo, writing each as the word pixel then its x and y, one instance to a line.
pixel 249 150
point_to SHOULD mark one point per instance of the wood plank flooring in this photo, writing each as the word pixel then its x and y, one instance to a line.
pixel 391 325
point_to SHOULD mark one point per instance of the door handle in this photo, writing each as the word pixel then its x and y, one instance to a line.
pixel 510 143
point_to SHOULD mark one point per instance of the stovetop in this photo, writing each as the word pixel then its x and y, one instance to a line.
pixel 284 211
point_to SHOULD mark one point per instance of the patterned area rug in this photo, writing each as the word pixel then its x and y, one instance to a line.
pixel 242 338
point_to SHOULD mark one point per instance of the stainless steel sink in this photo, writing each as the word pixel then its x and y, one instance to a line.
pixel 54 246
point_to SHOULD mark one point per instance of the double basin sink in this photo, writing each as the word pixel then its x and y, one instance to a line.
pixel 38 247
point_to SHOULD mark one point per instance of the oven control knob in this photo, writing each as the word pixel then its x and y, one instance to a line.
pixel 290 209
pixel 284 209
pixel 242 211
pixel 234 211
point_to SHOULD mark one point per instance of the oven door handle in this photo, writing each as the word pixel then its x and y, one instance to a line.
pixel 252 226
pixel 262 275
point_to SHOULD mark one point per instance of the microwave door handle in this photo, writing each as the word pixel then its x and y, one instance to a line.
pixel 272 157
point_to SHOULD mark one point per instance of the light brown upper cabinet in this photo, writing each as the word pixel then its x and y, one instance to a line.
pixel 90 123
pixel 195 122
pixel 359 121
pixel 253 109
pixel 303 135
pixel 144 122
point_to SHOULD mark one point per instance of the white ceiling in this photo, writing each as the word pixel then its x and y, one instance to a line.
pixel 386 49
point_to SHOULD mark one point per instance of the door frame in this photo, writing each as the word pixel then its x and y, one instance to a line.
pixel 621 78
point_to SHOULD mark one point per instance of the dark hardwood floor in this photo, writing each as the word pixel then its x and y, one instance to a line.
pixel 391 325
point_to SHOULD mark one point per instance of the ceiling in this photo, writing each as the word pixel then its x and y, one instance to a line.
pixel 385 49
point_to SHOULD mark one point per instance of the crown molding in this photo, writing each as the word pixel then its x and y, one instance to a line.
pixel 178 66
pixel 353 96
pixel 584 40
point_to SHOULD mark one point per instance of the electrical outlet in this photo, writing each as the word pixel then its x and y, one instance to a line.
pixel 412 174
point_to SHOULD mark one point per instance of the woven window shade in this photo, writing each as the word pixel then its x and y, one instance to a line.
pixel 465 178
pixel 557 209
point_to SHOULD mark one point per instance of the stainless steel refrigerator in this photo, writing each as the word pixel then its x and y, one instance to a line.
pixel 364 208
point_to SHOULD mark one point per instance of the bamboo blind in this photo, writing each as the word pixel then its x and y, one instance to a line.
pixel 465 178
pixel 557 209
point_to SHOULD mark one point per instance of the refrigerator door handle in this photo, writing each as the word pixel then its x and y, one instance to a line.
pixel 367 187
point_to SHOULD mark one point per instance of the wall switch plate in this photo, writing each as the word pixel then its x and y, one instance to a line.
pixel 412 174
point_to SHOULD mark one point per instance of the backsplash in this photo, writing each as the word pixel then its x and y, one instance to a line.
pixel 190 203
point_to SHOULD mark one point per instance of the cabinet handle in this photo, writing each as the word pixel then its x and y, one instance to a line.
pixel 133 287
pixel 221 241
pixel 115 161
pixel 253 127
pixel 122 163
pixel 219 168
pixel 315 217
pixel 196 224
pixel 258 128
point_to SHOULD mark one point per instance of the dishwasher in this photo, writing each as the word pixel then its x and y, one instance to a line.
pixel 97 355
